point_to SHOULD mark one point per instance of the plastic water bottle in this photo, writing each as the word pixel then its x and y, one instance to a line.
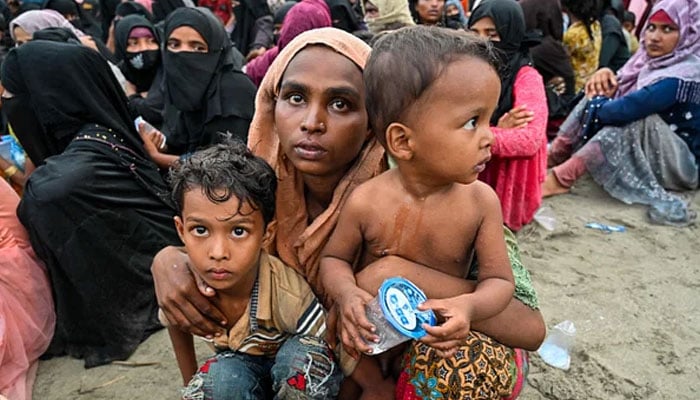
pixel 556 348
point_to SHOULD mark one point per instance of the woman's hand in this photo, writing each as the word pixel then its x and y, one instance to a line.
pixel 602 83
pixel 517 117
pixel 183 297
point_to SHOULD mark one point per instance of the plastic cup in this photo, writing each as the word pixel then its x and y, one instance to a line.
pixel 395 315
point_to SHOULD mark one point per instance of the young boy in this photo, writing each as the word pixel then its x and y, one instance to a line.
pixel 226 202
pixel 432 117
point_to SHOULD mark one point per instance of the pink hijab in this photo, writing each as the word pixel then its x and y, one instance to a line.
pixel 682 63
pixel 305 16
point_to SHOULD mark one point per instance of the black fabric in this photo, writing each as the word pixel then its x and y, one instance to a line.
pixel 151 107
pixel 163 8
pixel 613 51
pixel 63 35
pixel 107 9
pixel 82 20
pixel 508 17
pixel 139 68
pixel 282 12
pixel 247 12
pixel 132 8
pixel 66 85
pixel 204 86
pixel 96 209
pixel 343 15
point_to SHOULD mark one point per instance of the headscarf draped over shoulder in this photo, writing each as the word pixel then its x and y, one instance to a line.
pixel 683 63
pixel 297 243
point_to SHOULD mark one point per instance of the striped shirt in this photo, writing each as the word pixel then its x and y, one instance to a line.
pixel 281 305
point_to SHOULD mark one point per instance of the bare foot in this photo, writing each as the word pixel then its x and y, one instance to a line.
pixel 552 187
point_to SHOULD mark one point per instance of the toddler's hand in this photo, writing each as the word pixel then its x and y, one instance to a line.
pixel 354 327
pixel 448 337
pixel 517 117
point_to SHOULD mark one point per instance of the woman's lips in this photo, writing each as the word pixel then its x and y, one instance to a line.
pixel 309 150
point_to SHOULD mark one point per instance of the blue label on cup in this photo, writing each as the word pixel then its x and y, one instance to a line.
pixel 399 299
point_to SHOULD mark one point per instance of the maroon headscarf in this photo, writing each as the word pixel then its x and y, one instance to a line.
pixel 305 16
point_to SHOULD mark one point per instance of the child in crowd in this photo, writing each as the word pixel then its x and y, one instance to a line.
pixel 431 209
pixel 629 25
pixel 226 201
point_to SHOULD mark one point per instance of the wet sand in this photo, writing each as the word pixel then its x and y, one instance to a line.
pixel 632 296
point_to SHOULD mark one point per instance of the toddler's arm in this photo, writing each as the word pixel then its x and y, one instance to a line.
pixel 338 279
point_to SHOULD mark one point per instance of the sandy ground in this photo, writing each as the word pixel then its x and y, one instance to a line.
pixel 632 296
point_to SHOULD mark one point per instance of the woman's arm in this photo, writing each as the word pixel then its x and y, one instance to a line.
pixel 528 90
pixel 639 104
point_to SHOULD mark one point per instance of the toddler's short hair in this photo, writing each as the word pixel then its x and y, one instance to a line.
pixel 404 63
pixel 225 170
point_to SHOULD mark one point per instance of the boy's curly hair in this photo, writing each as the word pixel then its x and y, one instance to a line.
pixel 225 170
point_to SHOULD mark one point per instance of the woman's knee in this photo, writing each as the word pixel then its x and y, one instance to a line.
pixel 305 368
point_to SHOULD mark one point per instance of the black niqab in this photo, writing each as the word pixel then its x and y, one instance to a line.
pixel 204 86
pixel 76 87
pixel 508 17
pixel 139 68
pixel 247 12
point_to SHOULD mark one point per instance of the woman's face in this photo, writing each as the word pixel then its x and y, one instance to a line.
pixel 320 113
pixel 139 44
pixel 486 28
pixel 660 39
pixel 21 36
pixel 371 11
pixel 430 11
pixel 186 39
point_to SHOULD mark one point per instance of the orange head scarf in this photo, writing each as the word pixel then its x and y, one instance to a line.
pixel 297 242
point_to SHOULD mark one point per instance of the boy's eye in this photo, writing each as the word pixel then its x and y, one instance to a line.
pixel 471 124
pixel 199 231
pixel 238 232
pixel 295 99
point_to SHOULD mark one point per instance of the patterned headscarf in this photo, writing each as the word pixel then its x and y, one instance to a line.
pixel 682 63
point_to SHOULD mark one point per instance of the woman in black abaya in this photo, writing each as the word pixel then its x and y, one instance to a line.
pixel 137 45
pixel 96 208
pixel 204 85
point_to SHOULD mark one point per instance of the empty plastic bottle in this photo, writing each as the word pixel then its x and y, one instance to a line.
pixel 556 348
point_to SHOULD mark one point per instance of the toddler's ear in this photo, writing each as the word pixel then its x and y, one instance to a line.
pixel 398 141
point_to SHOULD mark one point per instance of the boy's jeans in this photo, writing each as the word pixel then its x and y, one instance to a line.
pixel 304 368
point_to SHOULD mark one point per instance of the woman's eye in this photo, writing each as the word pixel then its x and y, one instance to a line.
pixel 200 49
pixel 339 105
pixel 132 42
pixel 295 99
pixel 238 232
pixel 172 45
pixel 199 231
pixel 471 124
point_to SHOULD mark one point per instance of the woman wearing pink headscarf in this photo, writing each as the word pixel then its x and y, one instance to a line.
pixel 305 16
pixel 644 123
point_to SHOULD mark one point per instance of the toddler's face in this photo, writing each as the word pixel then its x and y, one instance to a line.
pixel 451 134
pixel 223 240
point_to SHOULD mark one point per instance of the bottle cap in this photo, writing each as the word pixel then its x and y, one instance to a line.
pixel 399 299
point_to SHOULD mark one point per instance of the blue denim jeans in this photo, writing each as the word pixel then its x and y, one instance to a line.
pixel 304 368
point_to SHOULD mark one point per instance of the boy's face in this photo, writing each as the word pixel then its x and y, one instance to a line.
pixel 320 113
pixel 222 241
pixel 629 26
pixel 451 137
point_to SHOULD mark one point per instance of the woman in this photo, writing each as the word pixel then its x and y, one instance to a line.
pixel 583 38
pixel 428 12
pixel 305 16
pixel 23 28
pixel 204 85
pixel 519 153
pixel 95 208
pixel 138 46
pixel 550 57
pixel 647 139
pixel 26 306
pixel 387 15
pixel 311 190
